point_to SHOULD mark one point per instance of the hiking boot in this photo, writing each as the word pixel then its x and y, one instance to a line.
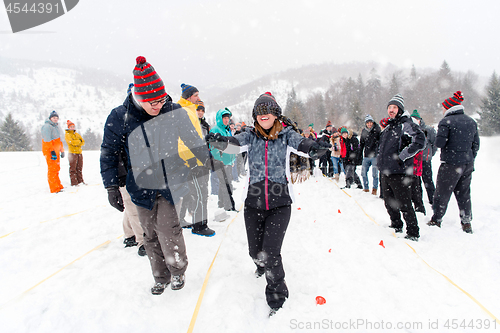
pixel 397 229
pixel 259 272
pixel 431 223
pixel 177 282
pixel 412 238
pixel 184 224
pixel 141 251
pixel 336 177
pixel 159 288
pixel 420 210
pixel 366 190
pixel 374 191
pixel 129 242
pixel 202 229
pixel 466 227
pixel 221 216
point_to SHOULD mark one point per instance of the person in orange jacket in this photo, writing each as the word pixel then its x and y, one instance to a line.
pixel 75 157
pixel 52 149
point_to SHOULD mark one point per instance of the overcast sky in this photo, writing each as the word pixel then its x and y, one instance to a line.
pixel 212 42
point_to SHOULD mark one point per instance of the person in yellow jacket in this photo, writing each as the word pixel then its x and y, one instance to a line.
pixel 75 157
pixel 52 149
pixel 197 199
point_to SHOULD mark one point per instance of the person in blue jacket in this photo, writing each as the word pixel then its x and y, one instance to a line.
pixel 223 161
pixel 458 139
pixel 148 126
pixel 269 198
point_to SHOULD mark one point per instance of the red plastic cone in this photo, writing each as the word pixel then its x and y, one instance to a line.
pixel 382 244
pixel 330 251
pixel 299 208
pixel 339 211
pixel 320 300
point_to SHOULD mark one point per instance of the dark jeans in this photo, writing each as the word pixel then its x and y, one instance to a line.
pixel 454 179
pixel 427 179
pixel 351 176
pixel 397 199
pixel 265 232
pixel 417 193
pixel 326 164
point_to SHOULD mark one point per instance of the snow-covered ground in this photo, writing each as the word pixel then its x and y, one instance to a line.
pixel 64 268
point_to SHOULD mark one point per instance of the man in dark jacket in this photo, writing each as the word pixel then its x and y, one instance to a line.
pixel 148 126
pixel 325 162
pixel 400 141
pixel 370 137
pixel 352 159
pixel 458 139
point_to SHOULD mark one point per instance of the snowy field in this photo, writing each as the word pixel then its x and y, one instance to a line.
pixel 64 268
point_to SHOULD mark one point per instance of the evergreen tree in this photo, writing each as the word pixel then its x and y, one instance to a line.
pixel 92 141
pixel 294 109
pixel 444 78
pixel 489 123
pixel 394 86
pixel 12 136
pixel 374 96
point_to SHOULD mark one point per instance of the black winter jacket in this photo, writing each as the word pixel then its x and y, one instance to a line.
pixel 430 148
pixel 369 140
pixel 151 146
pixel 400 141
pixel 354 153
pixel 457 137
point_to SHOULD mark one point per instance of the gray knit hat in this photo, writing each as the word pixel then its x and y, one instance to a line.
pixel 369 118
pixel 399 101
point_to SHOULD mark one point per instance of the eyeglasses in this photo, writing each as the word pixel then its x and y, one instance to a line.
pixel 155 103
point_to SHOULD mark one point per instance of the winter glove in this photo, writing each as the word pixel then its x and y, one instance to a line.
pixel 53 155
pixel 115 198
pixel 62 154
pixel 317 150
pixel 217 141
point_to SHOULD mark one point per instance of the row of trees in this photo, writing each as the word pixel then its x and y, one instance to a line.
pixel 13 137
pixel 347 101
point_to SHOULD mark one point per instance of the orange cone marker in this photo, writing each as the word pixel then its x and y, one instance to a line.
pixel 320 300
pixel 382 244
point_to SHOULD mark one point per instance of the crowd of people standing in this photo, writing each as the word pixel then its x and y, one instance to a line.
pixel 158 159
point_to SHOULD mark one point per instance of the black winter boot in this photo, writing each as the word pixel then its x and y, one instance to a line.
pixel 141 251
pixel 129 242
pixel 202 229
pixel 466 227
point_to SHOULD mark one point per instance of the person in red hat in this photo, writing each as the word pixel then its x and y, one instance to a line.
pixel 458 138
pixel 75 156
pixel 145 126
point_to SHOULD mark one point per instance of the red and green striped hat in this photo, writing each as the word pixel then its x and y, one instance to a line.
pixel 148 85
